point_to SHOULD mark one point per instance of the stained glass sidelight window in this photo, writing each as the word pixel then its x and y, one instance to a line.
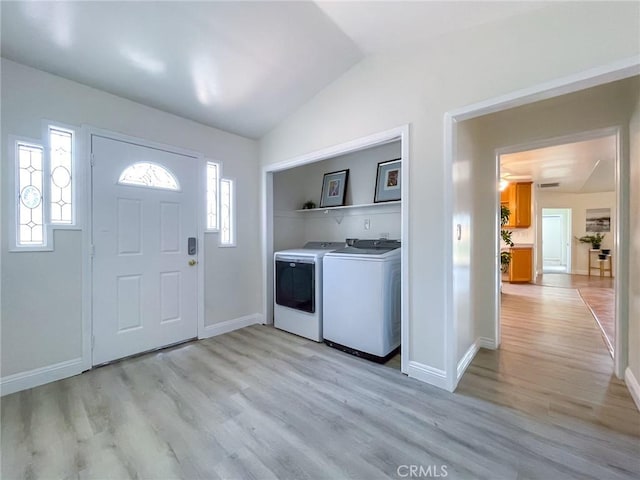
pixel 61 197
pixel 146 174
pixel 30 183
pixel 227 222
pixel 212 195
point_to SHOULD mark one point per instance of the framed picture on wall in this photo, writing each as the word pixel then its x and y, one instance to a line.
pixel 598 220
pixel 334 188
pixel 388 187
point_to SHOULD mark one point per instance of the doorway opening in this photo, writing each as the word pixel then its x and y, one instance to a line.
pixel 573 199
pixel 485 221
pixel 368 217
pixel 556 240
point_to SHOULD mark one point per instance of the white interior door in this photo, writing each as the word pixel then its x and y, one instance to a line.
pixel 552 240
pixel 144 280
pixel 556 240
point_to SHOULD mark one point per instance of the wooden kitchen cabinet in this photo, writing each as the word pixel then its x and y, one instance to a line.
pixel 521 266
pixel 517 196
pixel 505 195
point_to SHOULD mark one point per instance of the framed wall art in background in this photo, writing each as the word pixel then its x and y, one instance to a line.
pixel 388 188
pixel 334 188
pixel 598 220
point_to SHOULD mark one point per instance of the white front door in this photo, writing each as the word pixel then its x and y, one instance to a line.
pixel 144 279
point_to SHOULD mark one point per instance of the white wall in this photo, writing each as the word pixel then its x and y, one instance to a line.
pixel 336 226
pixel 418 86
pixel 41 294
pixel 289 193
pixel 463 248
pixel 293 187
pixel 524 235
pixel 634 258
pixel 578 203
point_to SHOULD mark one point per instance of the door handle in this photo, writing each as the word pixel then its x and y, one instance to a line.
pixel 192 262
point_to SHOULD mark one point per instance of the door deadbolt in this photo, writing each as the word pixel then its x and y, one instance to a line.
pixel 191 246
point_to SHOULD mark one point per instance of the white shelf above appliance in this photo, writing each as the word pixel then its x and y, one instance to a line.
pixel 346 207
pixel 339 212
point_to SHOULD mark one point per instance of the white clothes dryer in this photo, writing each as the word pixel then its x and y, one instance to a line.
pixel 298 289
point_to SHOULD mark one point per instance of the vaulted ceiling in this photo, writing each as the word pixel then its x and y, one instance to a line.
pixel 238 66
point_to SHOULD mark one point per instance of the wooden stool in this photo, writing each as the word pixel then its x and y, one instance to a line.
pixel 601 266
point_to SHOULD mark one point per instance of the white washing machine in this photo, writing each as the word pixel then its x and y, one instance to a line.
pixel 297 289
pixel 362 298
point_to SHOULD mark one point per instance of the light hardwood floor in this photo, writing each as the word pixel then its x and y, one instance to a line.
pixel 573 281
pixel 602 304
pixel 552 364
pixel 597 292
pixel 261 403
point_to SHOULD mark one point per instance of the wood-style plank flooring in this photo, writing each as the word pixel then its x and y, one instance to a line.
pixel 602 304
pixel 573 281
pixel 552 364
pixel 260 403
pixel 597 292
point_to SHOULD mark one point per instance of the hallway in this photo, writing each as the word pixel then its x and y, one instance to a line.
pixel 552 364
pixel 598 294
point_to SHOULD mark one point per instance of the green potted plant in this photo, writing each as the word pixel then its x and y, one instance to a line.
pixel 505 256
pixel 595 240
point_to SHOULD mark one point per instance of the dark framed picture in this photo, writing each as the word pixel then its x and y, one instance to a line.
pixel 598 220
pixel 334 188
pixel 388 187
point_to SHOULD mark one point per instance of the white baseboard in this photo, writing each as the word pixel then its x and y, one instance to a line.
pixel 51 373
pixel 633 386
pixel 467 359
pixel 40 376
pixel 486 342
pixel 427 374
pixel 231 325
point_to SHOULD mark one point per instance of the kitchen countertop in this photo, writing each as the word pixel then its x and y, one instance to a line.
pixel 517 245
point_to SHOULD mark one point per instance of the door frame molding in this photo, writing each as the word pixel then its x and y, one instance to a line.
pixel 599 75
pixel 87 132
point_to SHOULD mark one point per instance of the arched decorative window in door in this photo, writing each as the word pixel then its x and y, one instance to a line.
pixel 147 174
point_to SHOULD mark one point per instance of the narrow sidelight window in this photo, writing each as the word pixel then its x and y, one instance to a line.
pixel 30 182
pixel 43 172
pixel 61 168
pixel 227 213
pixel 213 176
